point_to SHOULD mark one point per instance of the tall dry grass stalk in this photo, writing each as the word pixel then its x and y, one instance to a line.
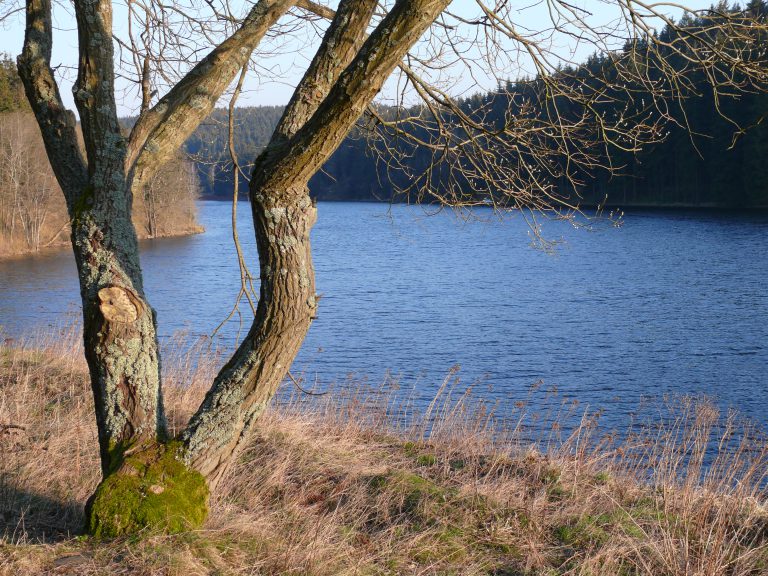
pixel 365 480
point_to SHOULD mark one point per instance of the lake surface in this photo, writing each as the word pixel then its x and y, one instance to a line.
pixel 670 302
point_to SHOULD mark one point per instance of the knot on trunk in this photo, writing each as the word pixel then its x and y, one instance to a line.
pixel 119 304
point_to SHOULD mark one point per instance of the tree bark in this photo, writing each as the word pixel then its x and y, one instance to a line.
pixel 286 307
pixel 344 81
pixel 118 323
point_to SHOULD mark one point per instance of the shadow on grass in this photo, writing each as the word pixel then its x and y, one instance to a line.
pixel 27 517
pixel 506 572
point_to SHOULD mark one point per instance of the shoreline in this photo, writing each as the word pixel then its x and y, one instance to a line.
pixel 199 229
pixel 651 207
pixel 59 246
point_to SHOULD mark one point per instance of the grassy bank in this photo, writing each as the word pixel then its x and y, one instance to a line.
pixel 351 483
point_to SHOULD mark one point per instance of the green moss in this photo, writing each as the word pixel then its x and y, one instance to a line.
pixel 150 490
pixel 82 203
pixel 451 527
pixel 587 531
pixel 415 483
pixel 378 482
pixel 420 452
pixel 596 529
pixel 448 545
pixel 602 478
pixel 426 460
pixel 420 500
pixel 556 491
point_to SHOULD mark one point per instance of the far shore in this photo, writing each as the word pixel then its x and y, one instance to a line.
pixel 650 206
pixel 55 247
pixel 198 229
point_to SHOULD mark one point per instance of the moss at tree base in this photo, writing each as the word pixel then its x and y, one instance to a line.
pixel 150 490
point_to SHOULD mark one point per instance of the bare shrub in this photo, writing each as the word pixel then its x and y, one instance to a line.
pixel 167 205
pixel 32 211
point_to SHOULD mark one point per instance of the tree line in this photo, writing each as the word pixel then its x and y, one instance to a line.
pixel 712 152
pixel 33 214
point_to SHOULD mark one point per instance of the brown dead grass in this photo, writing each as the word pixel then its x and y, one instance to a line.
pixel 355 482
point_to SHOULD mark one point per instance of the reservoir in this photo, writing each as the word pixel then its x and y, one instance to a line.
pixel 669 302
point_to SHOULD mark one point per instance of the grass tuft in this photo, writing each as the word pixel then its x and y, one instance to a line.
pixel 354 483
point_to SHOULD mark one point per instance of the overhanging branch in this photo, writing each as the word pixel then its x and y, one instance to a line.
pixel 165 126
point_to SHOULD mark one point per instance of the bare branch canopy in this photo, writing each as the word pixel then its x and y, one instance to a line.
pixel 547 122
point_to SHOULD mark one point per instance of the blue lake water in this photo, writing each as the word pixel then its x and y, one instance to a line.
pixel 669 302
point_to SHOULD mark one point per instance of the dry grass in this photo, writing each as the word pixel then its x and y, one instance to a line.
pixel 357 482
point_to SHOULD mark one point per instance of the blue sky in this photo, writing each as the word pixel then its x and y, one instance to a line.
pixel 289 53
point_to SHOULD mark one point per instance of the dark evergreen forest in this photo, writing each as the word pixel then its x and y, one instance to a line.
pixel 714 154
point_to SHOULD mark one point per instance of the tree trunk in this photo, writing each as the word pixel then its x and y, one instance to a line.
pixel 287 304
pixel 343 78
pixel 118 323
pixel 118 327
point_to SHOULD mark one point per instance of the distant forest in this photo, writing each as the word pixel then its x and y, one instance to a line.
pixel 33 214
pixel 721 162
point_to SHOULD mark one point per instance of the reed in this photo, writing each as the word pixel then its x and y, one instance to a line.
pixel 367 480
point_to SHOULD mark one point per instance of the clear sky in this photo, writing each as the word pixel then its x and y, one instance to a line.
pixel 287 54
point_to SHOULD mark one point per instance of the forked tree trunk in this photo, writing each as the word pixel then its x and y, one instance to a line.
pixel 118 323
pixel 149 480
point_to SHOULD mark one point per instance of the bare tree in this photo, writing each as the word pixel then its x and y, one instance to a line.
pixel 14 162
pixel 30 201
pixel 153 480
pixel 166 204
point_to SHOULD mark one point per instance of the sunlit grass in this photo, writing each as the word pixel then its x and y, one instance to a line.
pixel 366 481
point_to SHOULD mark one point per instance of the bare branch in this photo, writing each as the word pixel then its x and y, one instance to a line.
pixel 351 94
pixel 164 127
pixel 55 121
pixel 341 43
pixel 94 90
pixel 317 9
